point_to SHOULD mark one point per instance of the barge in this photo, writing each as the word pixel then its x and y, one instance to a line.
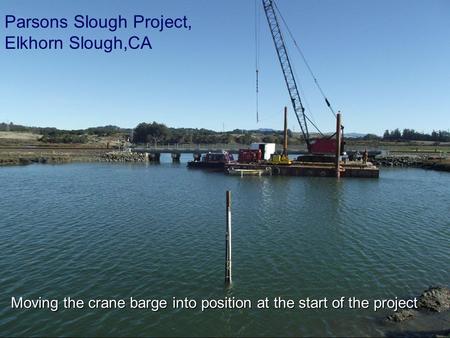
pixel 350 169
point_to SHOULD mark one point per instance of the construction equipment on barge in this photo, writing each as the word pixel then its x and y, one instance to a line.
pixel 324 156
pixel 283 158
pixel 214 161
pixel 281 165
pixel 319 146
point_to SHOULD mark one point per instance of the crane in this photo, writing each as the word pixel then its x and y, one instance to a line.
pixel 291 84
pixel 288 73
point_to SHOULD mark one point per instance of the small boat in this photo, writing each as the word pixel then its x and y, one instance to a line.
pixel 249 172
pixel 210 160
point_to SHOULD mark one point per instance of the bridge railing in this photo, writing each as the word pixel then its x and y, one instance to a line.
pixel 191 146
pixel 203 147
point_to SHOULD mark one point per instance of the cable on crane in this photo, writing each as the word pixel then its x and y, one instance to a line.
pixel 305 61
pixel 314 125
pixel 307 104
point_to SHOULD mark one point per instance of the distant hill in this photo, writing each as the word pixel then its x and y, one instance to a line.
pixel 265 130
pixel 354 135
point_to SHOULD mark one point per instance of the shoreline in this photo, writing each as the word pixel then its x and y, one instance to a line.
pixel 23 156
pixel 62 155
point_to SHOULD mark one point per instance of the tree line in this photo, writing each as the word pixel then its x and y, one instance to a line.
pixel 412 135
pixel 155 133
pixel 151 133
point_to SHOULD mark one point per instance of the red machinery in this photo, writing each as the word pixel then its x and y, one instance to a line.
pixel 323 146
pixel 249 155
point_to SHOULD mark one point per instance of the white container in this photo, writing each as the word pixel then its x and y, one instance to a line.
pixel 267 149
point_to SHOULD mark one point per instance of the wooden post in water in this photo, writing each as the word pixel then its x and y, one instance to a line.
pixel 228 241
pixel 338 144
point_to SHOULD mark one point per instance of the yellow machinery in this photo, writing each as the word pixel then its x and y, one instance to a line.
pixel 283 158
pixel 280 159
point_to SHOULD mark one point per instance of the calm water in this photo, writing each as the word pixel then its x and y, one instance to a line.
pixel 115 231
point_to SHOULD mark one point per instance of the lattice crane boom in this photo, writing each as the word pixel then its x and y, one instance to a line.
pixel 286 67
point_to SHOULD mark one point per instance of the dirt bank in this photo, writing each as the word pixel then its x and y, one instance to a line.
pixel 50 156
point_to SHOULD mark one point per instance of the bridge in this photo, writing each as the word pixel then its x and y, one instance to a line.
pixel 189 148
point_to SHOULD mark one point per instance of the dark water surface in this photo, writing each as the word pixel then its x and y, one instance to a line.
pixel 157 231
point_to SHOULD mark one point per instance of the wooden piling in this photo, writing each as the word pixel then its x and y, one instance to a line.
pixel 175 157
pixel 285 143
pixel 338 144
pixel 228 270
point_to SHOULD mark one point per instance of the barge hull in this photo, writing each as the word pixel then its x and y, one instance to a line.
pixel 318 170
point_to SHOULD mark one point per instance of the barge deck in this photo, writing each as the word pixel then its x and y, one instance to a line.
pixel 350 169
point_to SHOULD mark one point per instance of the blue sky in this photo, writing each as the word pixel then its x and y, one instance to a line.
pixel 384 64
